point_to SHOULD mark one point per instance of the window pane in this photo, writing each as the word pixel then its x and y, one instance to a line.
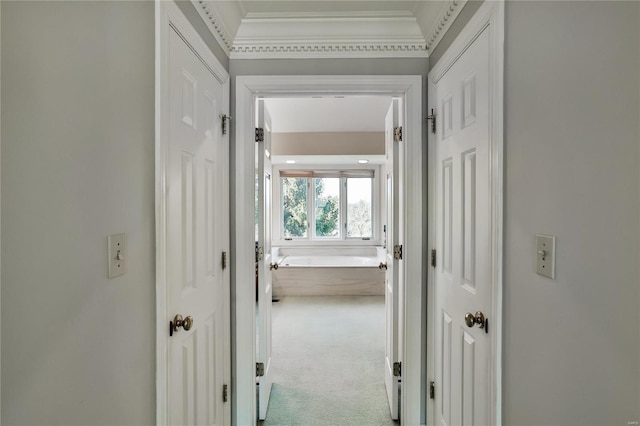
pixel 359 207
pixel 294 207
pixel 327 202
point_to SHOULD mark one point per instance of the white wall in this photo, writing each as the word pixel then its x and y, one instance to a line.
pixel 77 165
pixel 571 346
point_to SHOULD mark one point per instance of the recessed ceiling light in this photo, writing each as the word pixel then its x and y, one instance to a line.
pixel 363 161
pixel 290 161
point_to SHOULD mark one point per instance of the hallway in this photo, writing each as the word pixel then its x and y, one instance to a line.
pixel 328 356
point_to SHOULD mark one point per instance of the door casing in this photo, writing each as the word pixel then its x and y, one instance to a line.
pixel 409 88
pixel 490 16
pixel 167 16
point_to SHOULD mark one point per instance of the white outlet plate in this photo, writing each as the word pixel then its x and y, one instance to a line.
pixel 117 251
pixel 546 255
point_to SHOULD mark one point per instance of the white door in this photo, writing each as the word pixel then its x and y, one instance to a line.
pixel 197 233
pixel 265 290
pixel 463 283
pixel 393 261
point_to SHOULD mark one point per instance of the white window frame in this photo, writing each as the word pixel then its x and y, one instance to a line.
pixel 311 239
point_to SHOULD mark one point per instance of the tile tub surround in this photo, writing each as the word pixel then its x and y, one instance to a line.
pixel 345 271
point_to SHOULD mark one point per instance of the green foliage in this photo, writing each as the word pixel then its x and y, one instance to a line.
pixel 294 200
pixel 327 212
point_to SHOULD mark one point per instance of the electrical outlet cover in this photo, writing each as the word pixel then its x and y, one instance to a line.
pixel 117 251
pixel 546 255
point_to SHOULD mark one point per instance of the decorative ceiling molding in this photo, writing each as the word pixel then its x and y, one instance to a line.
pixel 305 35
pixel 324 50
pixel 448 14
pixel 215 23
pixel 370 34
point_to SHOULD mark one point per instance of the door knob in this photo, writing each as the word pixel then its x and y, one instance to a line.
pixel 382 265
pixel 471 319
pixel 273 266
pixel 178 322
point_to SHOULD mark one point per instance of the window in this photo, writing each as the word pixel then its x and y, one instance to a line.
pixel 294 207
pixel 359 207
pixel 327 205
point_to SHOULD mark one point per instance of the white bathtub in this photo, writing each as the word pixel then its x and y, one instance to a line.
pixel 345 271
pixel 329 261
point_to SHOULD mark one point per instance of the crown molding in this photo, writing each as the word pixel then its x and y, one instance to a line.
pixel 448 14
pixel 326 51
pixel 214 21
pixel 304 35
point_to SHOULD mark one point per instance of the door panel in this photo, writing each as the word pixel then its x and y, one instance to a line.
pixel 463 222
pixel 393 275
pixel 195 281
pixel 265 288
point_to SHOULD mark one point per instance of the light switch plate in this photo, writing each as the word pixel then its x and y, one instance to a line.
pixel 117 250
pixel 546 255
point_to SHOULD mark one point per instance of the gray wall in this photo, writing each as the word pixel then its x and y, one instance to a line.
pixel 201 28
pixel 571 346
pixel 77 165
pixel 467 12
pixel 572 145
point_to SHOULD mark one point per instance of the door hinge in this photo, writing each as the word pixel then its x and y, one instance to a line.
pixel 225 393
pixel 259 134
pixel 432 117
pixel 397 251
pixel 224 118
pixel 260 253
pixel 224 260
pixel 259 369
pixel 432 390
pixel 397 134
pixel 433 258
pixel 397 369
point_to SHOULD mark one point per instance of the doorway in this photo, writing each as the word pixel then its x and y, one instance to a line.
pixel 406 88
pixel 327 160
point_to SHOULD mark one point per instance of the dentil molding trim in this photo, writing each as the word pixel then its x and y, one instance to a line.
pixel 304 35
pixel 329 35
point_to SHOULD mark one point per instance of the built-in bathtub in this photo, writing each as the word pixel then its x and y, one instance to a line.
pixel 345 271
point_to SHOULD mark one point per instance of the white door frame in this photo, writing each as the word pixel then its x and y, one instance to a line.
pixel 0 240
pixel 490 16
pixel 243 352
pixel 168 15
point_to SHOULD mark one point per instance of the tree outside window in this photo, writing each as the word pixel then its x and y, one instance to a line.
pixel 294 207
pixel 322 208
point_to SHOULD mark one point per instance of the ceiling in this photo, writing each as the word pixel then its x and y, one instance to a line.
pixel 258 29
pixel 326 6
pixel 328 114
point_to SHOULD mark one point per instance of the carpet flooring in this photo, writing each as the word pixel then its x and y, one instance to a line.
pixel 328 362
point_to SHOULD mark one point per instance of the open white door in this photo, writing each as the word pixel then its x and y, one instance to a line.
pixel 463 210
pixel 265 290
pixel 393 261
pixel 194 151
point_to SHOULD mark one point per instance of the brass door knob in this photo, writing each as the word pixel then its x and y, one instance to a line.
pixel 471 319
pixel 178 322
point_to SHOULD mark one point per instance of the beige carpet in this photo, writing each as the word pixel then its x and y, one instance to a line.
pixel 328 360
